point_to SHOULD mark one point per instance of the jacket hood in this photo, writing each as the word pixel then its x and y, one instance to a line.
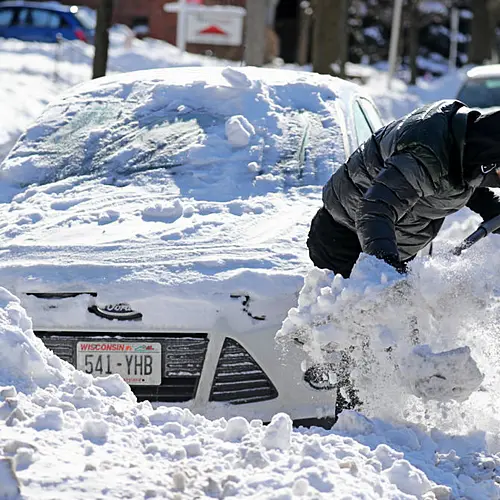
pixel 482 142
pixel 459 128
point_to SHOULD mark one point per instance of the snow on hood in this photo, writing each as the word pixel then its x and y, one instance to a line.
pixel 171 180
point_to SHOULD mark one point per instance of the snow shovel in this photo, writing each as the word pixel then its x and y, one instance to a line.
pixel 450 374
pixel 482 231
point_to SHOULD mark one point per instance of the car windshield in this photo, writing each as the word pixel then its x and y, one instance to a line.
pixel 195 132
pixel 481 92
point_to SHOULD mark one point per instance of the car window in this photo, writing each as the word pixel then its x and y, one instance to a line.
pixel 23 18
pixel 6 16
pixel 45 19
pixel 371 114
pixel 363 129
pixel 480 93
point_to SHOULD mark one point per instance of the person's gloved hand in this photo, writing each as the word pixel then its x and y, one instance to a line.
pixel 394 261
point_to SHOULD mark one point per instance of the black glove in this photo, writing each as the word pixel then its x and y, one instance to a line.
pixel 394 261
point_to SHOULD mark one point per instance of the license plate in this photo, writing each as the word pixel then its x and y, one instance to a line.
pixel 139 363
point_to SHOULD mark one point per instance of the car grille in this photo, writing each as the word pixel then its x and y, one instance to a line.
pixel 238 378
pixel 182 359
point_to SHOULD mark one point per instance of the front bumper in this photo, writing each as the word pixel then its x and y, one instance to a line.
pixel 216 374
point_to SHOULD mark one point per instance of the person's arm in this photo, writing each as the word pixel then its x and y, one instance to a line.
pixel 484 202
pixel 405 180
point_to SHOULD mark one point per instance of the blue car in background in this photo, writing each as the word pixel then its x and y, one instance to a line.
pixel 45 22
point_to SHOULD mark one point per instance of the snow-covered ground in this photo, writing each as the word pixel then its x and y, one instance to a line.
pixel 66 435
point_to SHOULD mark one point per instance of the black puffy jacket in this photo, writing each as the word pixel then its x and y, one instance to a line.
pixel 396 189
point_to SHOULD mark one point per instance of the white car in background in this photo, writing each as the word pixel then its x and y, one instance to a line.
pixel 154 225
pixel 481 87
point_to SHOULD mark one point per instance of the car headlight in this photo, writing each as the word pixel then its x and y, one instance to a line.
pixel 321 377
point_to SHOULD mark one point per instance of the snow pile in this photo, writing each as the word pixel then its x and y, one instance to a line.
pixel 24 360
pixel 447 305
pixel 27 365
pixel 65 433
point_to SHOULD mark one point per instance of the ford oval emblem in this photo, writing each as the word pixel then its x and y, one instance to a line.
pixel 121 312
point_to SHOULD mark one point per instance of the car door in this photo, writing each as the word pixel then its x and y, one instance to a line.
pixel 6 18
pixel 46 24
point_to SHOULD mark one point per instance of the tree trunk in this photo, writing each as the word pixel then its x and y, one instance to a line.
pixel 305 21
pixel 330 36
pixel 480 45
pixel 413 33
pixel 255 37
pixel 101 43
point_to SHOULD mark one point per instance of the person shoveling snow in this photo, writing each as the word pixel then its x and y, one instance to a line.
pixel 389 201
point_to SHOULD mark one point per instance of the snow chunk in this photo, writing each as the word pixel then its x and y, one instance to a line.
pixel 278 432
pixel 169 212
pixel 8 392
pixel 236 78
pixel 163 414
pixel 114 385
pixel 408 479
pixel 239 131
pixel 108 216
pixel 236 429
pixel 9 483
pixel 353 423
pixel 95 430
pixel 442 376
pixel 193 448
pixel 386 455
pixel 48 419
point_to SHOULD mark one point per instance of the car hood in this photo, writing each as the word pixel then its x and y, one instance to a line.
pixel 183 263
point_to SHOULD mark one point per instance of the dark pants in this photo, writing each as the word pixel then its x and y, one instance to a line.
pixel 332 245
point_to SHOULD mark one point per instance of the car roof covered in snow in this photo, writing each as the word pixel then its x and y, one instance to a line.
pixel 486 71
pixel 220 75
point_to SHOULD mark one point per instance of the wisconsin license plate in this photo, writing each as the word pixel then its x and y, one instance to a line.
pixel 139 363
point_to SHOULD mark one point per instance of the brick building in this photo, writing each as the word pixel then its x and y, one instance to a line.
pixel 163 25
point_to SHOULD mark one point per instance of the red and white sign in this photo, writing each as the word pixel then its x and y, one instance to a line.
pixel 217 25
pixel 207 24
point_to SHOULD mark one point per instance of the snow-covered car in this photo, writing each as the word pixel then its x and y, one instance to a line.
pixel 154 225
pixel 481 87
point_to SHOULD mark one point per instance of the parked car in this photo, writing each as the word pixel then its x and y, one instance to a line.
pixel 154 225
pixel 481 87
pixel 45 22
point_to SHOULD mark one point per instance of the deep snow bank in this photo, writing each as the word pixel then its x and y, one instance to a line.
pixel 26 365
